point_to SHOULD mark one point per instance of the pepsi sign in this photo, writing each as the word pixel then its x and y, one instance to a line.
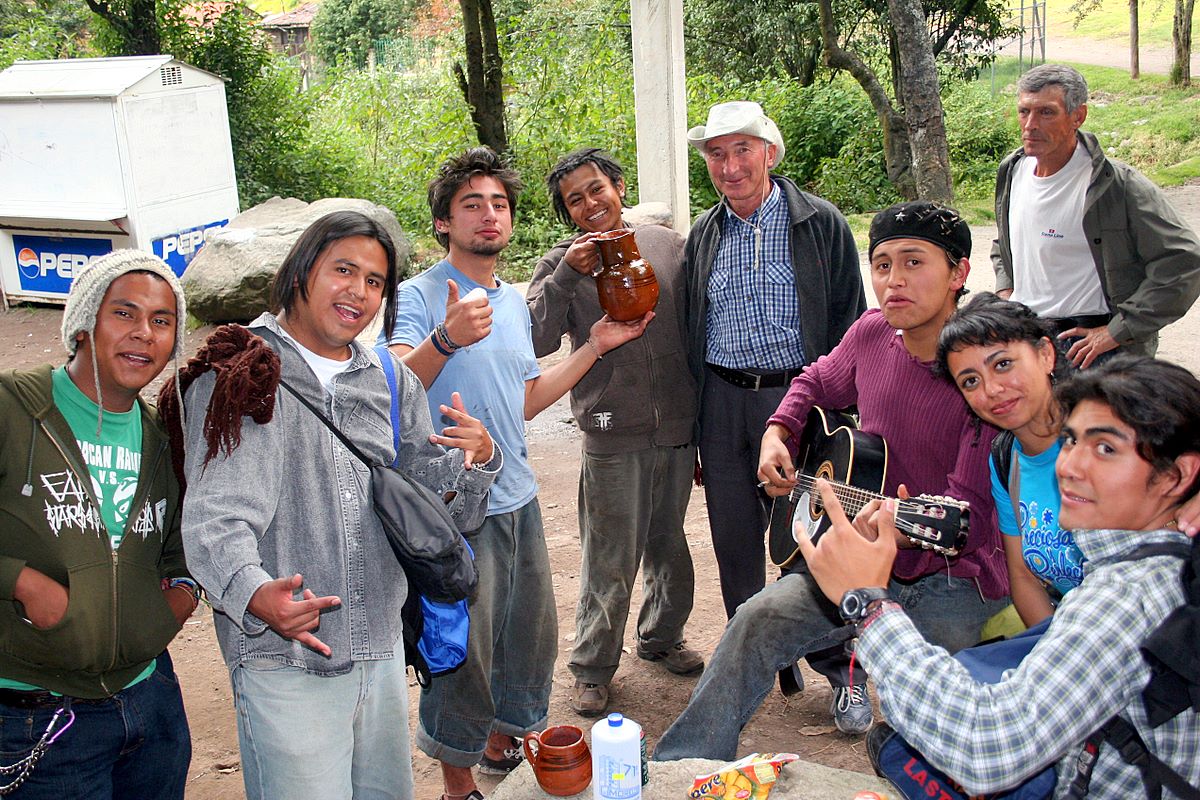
pixel 50 263
pixel 178 249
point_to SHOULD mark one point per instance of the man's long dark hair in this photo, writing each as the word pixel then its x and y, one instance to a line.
pixel 291 281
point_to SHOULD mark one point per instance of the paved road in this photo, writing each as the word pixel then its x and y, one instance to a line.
pixel 1112 52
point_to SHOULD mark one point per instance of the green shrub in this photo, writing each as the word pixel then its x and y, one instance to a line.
pixel 856 180
pixel 980 133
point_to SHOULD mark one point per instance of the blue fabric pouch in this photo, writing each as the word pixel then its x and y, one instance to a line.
pixel 912 774
pixel 435 633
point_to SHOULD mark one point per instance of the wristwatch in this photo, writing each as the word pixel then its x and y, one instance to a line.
pixel 853 607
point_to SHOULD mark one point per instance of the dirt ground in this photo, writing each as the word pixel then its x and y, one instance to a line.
pixel 643 691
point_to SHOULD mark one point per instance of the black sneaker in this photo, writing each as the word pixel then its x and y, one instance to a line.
pixel 512 758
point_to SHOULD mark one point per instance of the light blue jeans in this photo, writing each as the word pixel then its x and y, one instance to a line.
pixel 504 685
pixel 341 737
pixel 783 622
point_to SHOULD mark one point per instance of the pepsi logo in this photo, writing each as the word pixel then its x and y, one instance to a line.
pixel 28 262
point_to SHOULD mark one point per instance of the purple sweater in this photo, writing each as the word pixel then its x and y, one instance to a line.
pixel 933 447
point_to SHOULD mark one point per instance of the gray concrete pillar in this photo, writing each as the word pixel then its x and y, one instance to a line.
pixel 660 102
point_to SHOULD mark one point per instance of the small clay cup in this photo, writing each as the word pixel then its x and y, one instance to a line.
pixel 560 759
pixel 626 284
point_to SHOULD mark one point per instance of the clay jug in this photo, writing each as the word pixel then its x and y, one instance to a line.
pixel 625 282
pixel 560 759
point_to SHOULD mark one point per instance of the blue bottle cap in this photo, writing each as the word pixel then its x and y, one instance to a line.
pixel 615 720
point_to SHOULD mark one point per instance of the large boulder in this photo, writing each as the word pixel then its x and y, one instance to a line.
pixel 229 280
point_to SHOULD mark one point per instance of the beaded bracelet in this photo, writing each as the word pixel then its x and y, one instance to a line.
pixel 442 332
pixel 190 585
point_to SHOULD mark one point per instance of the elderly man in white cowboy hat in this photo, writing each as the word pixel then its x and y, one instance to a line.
pixel 773 283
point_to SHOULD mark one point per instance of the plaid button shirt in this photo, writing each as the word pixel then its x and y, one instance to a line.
pixel 1087 668
pixel 753 309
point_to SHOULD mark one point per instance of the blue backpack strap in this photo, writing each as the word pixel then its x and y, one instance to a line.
pixel 389 370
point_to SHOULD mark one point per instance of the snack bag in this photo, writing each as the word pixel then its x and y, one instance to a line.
pixel 751 778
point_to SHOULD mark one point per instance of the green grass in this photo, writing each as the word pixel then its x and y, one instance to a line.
pixel 1111 21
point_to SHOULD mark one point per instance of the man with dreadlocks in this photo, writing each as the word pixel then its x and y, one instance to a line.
pixel 91 561
pixel 279 523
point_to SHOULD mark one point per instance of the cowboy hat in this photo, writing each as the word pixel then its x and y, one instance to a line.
pixel 738 116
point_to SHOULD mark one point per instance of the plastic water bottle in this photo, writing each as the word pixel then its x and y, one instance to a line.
pixel 616 759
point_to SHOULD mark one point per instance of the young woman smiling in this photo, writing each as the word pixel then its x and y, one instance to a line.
pixel 1002 358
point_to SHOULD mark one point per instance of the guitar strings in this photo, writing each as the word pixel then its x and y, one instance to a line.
pixel 845 492
pixel 849 495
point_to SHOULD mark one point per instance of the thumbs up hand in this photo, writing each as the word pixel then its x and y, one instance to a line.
pixel 468 320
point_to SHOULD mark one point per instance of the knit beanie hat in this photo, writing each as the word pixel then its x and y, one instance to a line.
pixel 87 292
pixel 89 286
pixel 921 219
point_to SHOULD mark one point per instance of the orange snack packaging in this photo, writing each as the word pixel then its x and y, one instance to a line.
pixel 750 778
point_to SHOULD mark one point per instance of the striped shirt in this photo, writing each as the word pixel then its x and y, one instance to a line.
pixel 753 309
pixel 1086 668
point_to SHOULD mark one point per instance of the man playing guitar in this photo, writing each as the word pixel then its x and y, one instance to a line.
pixel 919 263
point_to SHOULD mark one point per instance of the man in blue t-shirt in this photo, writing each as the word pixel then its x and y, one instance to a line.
pixel 466 335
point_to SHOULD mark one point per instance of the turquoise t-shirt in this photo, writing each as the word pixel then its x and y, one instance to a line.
pixel 1049 551
pixel 113 458
pixel 490 374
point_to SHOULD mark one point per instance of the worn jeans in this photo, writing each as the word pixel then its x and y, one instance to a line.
pixel 334 737
pixel 133 746
pixel 631 509
pixel 504 685
pixel 732 423
pixel 779 625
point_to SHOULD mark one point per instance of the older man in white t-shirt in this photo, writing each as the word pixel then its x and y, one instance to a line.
pixel 1085 241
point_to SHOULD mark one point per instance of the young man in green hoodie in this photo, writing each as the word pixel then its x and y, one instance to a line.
pixel 93 584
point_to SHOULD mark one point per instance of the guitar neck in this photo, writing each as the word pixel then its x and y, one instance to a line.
pixel 852 498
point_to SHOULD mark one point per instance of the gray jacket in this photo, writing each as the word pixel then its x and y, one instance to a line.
pixel 290 498
pixel 1147 258
pixel 641 394
pixel 824 260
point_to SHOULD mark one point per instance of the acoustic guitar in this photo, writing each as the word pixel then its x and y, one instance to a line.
pixel 855 464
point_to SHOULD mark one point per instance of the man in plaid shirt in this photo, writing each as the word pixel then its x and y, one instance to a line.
pixel 1088 666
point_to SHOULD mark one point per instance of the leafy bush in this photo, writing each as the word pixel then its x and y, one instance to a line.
pixel 980 134
pixel 856 180
pixel 42 29
pixel 347 28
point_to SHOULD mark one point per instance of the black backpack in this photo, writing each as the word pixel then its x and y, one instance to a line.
pixel 1174 687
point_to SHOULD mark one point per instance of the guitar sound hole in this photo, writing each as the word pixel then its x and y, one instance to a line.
pixel 816 507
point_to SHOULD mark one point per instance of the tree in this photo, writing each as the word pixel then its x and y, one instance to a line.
pixel 43 29
pixel 135 22
pixel 1135 67
pixel 915 149
pixel 922 102
pixel 744 38
pixel 482 84
pixel 1181 38
pixel 921 42
pixel 348 28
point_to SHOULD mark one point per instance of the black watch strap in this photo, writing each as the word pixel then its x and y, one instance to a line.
pixel 855 602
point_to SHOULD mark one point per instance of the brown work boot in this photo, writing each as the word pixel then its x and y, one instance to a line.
pixel 680 659
pixel 589 699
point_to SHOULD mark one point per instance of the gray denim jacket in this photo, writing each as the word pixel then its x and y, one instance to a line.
pixel 291 499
